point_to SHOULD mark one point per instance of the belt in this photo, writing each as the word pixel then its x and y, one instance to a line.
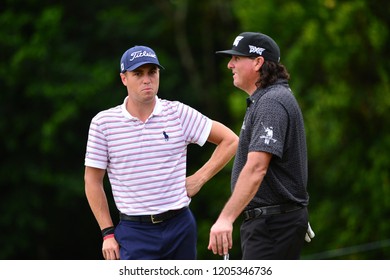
pixel 154 219
pixel 271 210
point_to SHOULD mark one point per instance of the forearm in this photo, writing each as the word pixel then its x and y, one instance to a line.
pixel 221 239
pixel 97 198
pixel 245 189
pixel 221 156
pixel 226 141
pixel 247 185
pixel 98 202
pixel 248 182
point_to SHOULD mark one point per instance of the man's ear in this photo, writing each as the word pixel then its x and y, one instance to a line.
pixel 258 62
pixel 123 79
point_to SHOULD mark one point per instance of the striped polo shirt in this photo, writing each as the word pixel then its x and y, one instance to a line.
pixel 146 161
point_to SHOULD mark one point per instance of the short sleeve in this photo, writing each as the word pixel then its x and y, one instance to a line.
pixel 196 126
pixel 269 126
pixel 97 152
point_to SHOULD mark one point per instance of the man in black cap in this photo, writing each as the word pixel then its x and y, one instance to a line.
pixel 269 175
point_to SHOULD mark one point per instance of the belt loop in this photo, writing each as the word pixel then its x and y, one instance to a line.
pixel 258 212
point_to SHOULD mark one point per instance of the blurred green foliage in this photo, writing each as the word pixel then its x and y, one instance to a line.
pixel 59 66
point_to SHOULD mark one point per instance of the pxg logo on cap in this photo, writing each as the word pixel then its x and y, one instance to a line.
pixel 254 44
pixel 138 56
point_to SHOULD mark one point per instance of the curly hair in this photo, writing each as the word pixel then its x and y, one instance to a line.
pixel 270 72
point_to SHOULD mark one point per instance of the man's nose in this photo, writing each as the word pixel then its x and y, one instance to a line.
pixel 230 64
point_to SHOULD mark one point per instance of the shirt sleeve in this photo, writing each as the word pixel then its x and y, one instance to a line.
pixel 196 126
pixel 269 126
pixel 97 152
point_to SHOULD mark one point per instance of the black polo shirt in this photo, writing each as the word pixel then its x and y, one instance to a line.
pixel 274 124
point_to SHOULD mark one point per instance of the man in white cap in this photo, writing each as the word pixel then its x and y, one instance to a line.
pixel 142 144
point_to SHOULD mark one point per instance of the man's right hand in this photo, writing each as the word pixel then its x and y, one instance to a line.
pixel 221 237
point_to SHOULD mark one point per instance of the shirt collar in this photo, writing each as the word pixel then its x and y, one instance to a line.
pixel 156 111
pixel 259 92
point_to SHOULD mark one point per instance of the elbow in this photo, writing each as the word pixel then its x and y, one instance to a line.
pixel 256 176
pixel 233 144
pixel 257 165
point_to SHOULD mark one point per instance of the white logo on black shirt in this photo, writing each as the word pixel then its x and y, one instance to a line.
pixel 269 134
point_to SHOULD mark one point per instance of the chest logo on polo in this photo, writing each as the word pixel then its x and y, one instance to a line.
pixel 166 136
pixel 269 134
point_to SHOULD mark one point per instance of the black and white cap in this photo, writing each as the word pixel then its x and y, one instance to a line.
pixel 254 44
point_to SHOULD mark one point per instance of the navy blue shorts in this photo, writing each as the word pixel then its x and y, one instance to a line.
pixel 173 239
pixel 274 237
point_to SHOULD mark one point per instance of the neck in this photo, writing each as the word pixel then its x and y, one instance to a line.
pixel 251 91
pixel 142 111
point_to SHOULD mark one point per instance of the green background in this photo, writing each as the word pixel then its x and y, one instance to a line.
pixel 59 66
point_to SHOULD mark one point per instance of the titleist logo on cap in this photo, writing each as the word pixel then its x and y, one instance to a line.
pixel 136 57
pixel 139 54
